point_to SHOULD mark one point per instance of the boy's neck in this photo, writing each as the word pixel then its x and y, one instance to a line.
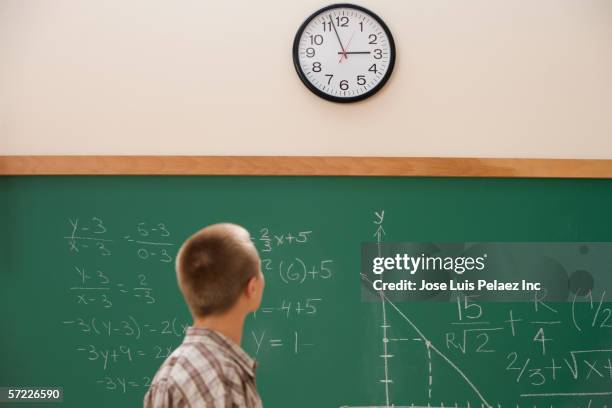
pixel 230 324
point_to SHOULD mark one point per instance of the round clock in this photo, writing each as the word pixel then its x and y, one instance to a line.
pixel 344 53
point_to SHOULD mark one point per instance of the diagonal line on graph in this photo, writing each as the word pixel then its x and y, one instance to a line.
pixel 428 342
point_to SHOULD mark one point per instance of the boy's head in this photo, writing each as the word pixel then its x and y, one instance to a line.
pixel 218 268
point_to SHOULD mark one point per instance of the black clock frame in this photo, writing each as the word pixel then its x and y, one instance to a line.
pixel 318 92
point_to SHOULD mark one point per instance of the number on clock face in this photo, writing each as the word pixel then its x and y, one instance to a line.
pixel 344 53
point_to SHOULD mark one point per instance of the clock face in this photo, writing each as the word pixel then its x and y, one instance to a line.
pixel 344 53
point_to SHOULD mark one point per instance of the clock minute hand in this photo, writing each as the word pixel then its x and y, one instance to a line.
pixel 354 52
pixel 337 35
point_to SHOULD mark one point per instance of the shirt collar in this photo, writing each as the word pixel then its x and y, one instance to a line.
pixel 235 351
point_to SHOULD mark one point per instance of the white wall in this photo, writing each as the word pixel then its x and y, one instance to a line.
pixel 495 78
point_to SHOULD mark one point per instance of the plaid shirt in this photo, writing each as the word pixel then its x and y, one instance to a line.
pixel 206 370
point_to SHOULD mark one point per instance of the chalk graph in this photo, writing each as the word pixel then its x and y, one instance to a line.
pixel 429 347
pixel 483 401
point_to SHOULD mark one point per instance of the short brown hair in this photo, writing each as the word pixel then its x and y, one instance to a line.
pixel 214 265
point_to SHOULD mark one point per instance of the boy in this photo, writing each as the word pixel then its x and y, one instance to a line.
pixel 218 271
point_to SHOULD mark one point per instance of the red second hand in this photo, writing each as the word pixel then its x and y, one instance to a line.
pixel 344 53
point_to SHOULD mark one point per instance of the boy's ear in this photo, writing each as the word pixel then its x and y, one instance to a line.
pixel 251 287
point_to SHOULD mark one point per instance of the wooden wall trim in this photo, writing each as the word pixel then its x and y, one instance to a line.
pixel 304 166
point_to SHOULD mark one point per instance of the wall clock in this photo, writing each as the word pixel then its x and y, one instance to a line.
pixel 344 53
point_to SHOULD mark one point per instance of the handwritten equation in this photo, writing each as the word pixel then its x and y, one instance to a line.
pixel 150 241
pixel 114 324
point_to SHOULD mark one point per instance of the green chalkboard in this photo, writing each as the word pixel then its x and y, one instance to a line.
pixel 89 299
